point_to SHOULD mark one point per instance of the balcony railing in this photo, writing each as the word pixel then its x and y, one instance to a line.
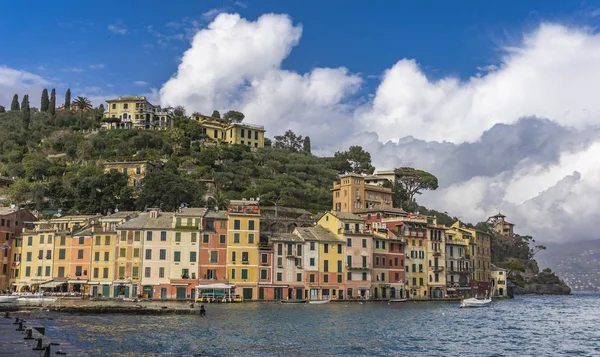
pixel 437 253
pixel 368 266
pixel 438 269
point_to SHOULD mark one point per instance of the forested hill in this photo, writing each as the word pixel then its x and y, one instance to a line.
pixel 56 162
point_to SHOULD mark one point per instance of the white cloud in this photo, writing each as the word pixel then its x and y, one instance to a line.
pixel 97 66
pixel 13 81
pixel 117 28
pixel 140 83
pixel 536 78
pixel 212 13
pixel 73 69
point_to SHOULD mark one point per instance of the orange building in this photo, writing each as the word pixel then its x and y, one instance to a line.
pixel 12 222
pixel 212 266
pixel 352 194
pixel 80 260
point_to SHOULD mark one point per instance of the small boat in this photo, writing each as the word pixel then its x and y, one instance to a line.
pixel 293 301
pixel 8 298
pixel 398 300
pixel 131 300
pixel 36 300
pixel 475 302
pixel 318 302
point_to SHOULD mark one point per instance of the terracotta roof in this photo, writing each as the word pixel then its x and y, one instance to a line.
pixel 498 215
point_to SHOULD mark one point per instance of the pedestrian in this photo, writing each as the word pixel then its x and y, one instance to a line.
pixel 202 311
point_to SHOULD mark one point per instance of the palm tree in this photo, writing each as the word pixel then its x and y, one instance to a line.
pixel 81 103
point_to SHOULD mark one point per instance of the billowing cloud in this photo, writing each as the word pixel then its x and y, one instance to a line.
pixel 520 136
pixel 14 81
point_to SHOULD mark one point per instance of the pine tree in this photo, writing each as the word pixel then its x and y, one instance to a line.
pixel 306 145
pixel 52 107
pixel 15 103
pixel 68 99
pixel 45 103
pixel 2 109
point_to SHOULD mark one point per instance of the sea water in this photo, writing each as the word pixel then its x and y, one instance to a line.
pixel 524 326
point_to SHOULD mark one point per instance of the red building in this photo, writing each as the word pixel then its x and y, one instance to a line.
pixel 212 266
pixel 12 223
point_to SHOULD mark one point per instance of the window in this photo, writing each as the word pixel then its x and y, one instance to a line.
pixel 194 237
pixel 138 170
pixel 263 274
pixel 383 261
pixel 364 262
pixel 136 252
pixel 376 244
pixel 162 254
pixel 280 277
pixel 214 256
pixel 233 273
pixel 61 254
pixel 339 278
pixel 349 276
pixel 325 278
pixel 205 238
pixel 98 240
pixel 41 239
pixel 349 260
pixel 289 249
pixel 251 225
pixel 279 249
pixel 256 135
pixel 244 256
pixel 149 236
pixel 326 248
pixel 250 238
pixel 97 256
pixel 80 254
pixel 312 262
pixel 364 243
pixel 244 274
pixel 47 271
pixel 185 273
pixel 364 276
pixel 136 236
pixel 147 272
pixel 149 254
pixel 233 256
pixel 421 281
pixel 123 236
pixel 105 273
pixel 222 238
pixel 177 257
pixel 311 277
pixel 312 245
pixel 383 245
pixel 121 272
pixel 28 271
pixel 349 242
pixel 106 256
pixel 163 236
pixel 236 237
pixel 192 257
pixel 161 272
pixel 78 270
pixel 339 249
pixel 30 241
pixel 242 134
pixel 81 240
pixel 178 237
pixel 377 261
pixel 28 256
pixel 236 224
pixel 420 268
pixel 107 240
pixel 135 272
pixel 326 266
pixel 125 106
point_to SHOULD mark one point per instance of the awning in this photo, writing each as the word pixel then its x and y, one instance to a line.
pixel 363 288
pixel 180 284
pixel 213 286
pixel 105 283
pixel 92 283
pixel 151 284
pixel 77 281
pixel 52 284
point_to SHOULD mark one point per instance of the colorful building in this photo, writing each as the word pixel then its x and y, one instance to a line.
pixel 501 226
pixel 323 262
pixel 499 281
pixel 135 112
pixel 186 248
pixel 458 269
pixel 213 248
pixel 222 130
pixel 436 259
pixel 352 194
pixel 12 222
pixel 242 246
pixel 289 272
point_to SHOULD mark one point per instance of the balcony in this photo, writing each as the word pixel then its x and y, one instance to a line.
pixel 244 262
pixel 438 269
pixel 368 266
pixel 437 253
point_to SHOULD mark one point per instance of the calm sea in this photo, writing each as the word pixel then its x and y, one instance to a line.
pixel 525 326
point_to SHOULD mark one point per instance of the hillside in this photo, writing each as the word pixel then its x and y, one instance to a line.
pixel 579 263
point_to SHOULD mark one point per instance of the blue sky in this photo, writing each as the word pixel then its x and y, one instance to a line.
pixel 101 46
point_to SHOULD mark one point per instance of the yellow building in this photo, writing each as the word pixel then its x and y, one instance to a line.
pixel 186 252
pixel 499 281
pixel 353 194
pixel 458 264
pixel 436 259
pixel 135 112
pixel 221 130
pixel 135 171
pixel 414 232
pixel 242 246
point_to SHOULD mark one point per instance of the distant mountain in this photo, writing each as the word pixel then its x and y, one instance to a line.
pixel 578 263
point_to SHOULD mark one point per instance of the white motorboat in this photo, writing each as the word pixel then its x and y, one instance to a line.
pixel 398 300
pixel 319 301
pixel 474 302
pixel 8 298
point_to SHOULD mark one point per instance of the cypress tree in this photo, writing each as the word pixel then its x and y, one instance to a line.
pixel 26 113
pixel 45 103
pixel 52 107
pixel 306 146
pixel 15 103
pixel 68 99
pixel 2 109
pixel 23 102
